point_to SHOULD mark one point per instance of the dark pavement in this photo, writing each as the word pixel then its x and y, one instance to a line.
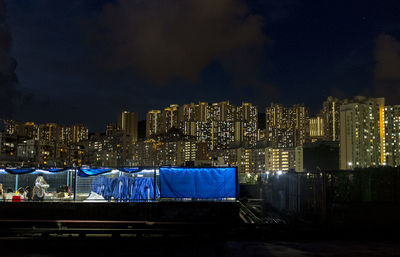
pixel 191 246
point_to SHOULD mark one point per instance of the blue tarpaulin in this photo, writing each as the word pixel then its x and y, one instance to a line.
pixel 86 172
pixel 143 189
pixel 201 183
pixel 20 170
pixel 125 188
pixel 56 169
pixel 82 172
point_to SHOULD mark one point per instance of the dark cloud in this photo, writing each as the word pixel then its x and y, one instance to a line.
pixel 387 69
pixel 246 71
pixel 8 78
pixel 387 58
pixel 165 40
pixel 276 11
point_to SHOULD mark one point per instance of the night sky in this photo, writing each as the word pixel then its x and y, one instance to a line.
pixel 84 61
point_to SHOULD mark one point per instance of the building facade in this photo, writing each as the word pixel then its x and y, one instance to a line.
pixel 330 115
pixel 362 133
pixel 316 128
pixel 127 122
pixel 219 125
pixel 284 159
pixel 392 135
pixel 153 123
pixel 287 126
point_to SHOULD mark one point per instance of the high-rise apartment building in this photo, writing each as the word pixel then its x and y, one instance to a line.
pixel 111 129
pixel 168 152
pixel 362 133
pixel 44 144
pixel 128 123
pixel 246 124
pixel 218 125
pixel 27 149
pixel 79 133
pixel 287 126
pixel 330 115
pixel 258 159
pixel 239 157
pixel 316 128
pixel 25 130
pixel 170 117
pixel 284 159
pixel 299 119
pixel 392 135
pixel 49 133
pixel 153 123
pixel 112 150
pixel 188 117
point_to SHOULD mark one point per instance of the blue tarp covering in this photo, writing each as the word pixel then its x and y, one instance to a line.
pixel 82 172
pixel 125 188
pixel 20 171
pixel 56 169
pixel 87 172
pixel 100 185
pixel 202 183
pixel 143 189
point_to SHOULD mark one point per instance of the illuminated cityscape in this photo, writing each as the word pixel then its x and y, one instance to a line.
pixel 364 131
pixel 199 128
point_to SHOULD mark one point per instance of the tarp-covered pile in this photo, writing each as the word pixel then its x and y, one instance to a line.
pixel 125 189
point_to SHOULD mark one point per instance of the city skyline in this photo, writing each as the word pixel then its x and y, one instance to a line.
pixel 199 127
pixel 352 133
pixel 292 49
pixel 107 80
pixel 323 106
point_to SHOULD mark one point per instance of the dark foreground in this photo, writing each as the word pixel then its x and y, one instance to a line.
pixel 182 229
pixel 153 246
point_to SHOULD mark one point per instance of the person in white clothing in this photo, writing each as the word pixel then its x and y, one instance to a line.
pixel 39 189
pixel 2 194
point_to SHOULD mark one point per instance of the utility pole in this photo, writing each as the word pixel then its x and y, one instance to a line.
pixel 154 170
pixel 76 180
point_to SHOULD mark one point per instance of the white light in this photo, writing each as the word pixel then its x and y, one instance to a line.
pixel 147 171
pixel 41 171
pixel 279 172
pixel 350 163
